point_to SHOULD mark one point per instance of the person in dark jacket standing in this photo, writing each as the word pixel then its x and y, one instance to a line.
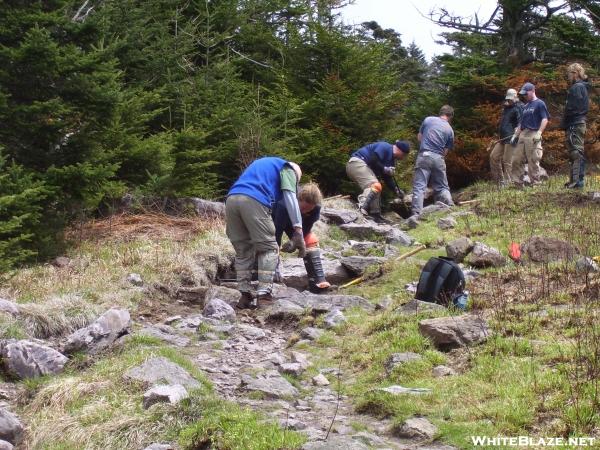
pixel 367 164
pixel 250 227
pixel 574 123
pixel 309 200
pixel 528 137
pixel 502 153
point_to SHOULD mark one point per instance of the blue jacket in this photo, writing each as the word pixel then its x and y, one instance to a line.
pixel 261 181
pixel 377 156
pixel 282 221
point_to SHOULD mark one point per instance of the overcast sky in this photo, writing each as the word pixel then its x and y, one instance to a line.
pixel 403 16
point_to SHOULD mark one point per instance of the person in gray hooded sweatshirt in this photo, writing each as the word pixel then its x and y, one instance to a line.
pixel 574 123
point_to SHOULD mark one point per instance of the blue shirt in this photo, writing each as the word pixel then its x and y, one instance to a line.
pixel 533 114
pixel 436 135
pixel 377 156
pixel 261 181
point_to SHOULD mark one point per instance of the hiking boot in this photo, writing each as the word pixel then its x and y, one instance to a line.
pixel 246 301
pixel 264 299
pixel 574 185
pixel 378 218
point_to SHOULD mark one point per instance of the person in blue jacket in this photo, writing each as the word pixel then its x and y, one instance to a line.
pixel 367 165
pixel 309 200
pixel 249 225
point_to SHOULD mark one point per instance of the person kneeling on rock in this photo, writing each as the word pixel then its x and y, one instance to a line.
pixel 249 225
pixel 309 200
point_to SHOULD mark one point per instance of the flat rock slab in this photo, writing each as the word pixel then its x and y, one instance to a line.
pixel 547 249
pixel 4 445
pixel 357 265
pixel 452 332
pixel 28 359
pixel 98 336
pixel 164 393
pixel 160 370
pixel 362 246
pixel 250 332
pixel 418 306
pixel 334 318
pixel 228 295
pixel 446 223
pixel 11 429
pixel 311 333
pixel 165 333
pixel 272 385
pixel 283 309
pixel 294 273
pixel 366 229
pixel 340 216
pixel 324 303
pixel 401 390
pixel 336 443
pixel 157 446
pixel 398 359
pixel 430 209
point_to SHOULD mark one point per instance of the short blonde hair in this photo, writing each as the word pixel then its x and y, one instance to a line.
pixel 310 193
pixel 578 69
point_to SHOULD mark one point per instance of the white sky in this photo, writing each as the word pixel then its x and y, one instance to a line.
pixel 403 17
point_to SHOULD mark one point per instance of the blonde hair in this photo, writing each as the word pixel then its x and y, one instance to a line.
pixel 578 69
pixel 310 193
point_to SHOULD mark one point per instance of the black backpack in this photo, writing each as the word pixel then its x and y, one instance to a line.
pixel 441 281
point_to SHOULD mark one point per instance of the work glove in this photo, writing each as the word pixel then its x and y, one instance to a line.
pixel 514 139
pixel 288 247
pixel 389 170
pixel 298 242
pixel 537 137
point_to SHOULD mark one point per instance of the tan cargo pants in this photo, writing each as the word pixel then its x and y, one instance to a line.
pixel 251 230
pixel 360 173
pixel 528 151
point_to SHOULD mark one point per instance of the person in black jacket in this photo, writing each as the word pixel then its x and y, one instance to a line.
pixel 574 123
pixel 309 200
pixel 502 153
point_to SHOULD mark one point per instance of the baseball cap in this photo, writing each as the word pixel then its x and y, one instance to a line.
pixel 511 94
pixel 526 88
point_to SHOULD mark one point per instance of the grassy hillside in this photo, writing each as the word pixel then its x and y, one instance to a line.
pixel 537 375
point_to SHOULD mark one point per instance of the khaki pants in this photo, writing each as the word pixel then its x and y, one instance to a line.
pixel 360 173
pixel 530 152
pixel 250 229
pixel 575 136
pixel 501 162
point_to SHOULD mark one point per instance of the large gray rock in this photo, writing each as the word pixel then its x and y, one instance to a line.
pixel 459 248
pixel 442 371
pixel 311 333
pixel 28 359
pixel 250 332
pixel 485 256
pixel 546 249
pixel 219 310
pixel 417 428
pixel 284 309
pixel 398 237
pixel 398 359
pixel 585 264
pixel 206 208
pixel 357 265
pixel 294 273
pixel 340 216
pixel 160 370
pixel 436 207
pixel 401 390
pixel 9 307
pixel 98 336
pixel 270 384
pixel 336 443
pixel 452 332
pixel 294 369
pixel 165 333
pixel 11 429
pixel 228 295
pixel 4 445
pixel 164 393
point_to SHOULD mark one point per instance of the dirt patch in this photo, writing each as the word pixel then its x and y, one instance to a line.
pixel 128 227
pixel 156 307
